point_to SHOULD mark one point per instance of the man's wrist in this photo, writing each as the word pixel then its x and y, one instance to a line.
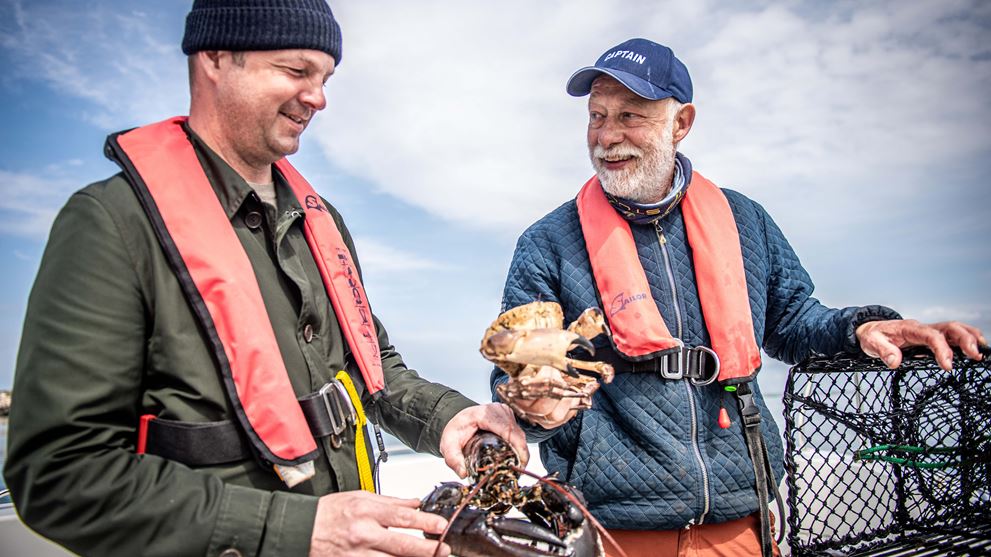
pixel 862 316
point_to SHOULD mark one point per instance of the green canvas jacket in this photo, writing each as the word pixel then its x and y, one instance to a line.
pixel 109 336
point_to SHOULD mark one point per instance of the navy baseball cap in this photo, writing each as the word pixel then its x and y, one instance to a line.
pixel 648 69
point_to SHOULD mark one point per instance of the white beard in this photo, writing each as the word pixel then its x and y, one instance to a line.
pixel 649 176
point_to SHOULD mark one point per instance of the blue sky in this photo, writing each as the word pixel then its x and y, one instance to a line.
pixel 862 128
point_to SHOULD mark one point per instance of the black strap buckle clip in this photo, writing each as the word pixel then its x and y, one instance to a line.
pixel 748 409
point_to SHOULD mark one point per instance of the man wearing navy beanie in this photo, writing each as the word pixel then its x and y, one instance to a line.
pixel 199 358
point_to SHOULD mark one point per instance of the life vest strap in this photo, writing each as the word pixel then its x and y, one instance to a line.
pixel 765 482
pixel 194 443
pixel 700 364
pixel 329 412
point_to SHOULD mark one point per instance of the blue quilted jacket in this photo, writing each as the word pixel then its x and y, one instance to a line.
pixel 649 453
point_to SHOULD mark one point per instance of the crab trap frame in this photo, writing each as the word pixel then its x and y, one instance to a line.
pixel 889 462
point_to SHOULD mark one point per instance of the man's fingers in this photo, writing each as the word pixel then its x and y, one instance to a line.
pixel 412 519
pixel 965 336
pixel 880 346
pixel 497 418
pixel 935 340
pixel 504 422
pixel 396 512
pixel 398 543
pixel 455 459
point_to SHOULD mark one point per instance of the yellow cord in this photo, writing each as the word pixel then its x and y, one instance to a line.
pixel 360 451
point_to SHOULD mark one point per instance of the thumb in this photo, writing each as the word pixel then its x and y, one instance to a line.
pixel 454 457
pixel 890 354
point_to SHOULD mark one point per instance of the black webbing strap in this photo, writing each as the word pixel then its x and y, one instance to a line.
pixel 328 413
pixel 197 443
pixel 700 364
pixel 764 474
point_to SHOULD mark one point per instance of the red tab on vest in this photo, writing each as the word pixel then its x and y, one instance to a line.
pixel 638 330
pixel 341 278
pixel 217 278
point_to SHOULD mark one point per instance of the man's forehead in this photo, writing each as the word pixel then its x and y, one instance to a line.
pixel 315 58
pixel 608 85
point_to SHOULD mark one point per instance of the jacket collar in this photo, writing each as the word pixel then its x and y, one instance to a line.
pixel 231 189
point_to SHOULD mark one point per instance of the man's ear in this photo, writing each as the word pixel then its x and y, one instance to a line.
pixel 683 121
pixel 209 62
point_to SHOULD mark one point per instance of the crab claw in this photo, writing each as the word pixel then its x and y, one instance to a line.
pixel 538 347
pixel 582 342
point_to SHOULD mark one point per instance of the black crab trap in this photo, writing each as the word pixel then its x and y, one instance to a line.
pixel 889 462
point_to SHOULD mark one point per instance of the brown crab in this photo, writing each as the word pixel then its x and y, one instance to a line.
pixel 530 344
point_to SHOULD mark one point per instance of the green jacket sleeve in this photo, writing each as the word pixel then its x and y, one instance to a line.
pixel 71 464
pixel 415 409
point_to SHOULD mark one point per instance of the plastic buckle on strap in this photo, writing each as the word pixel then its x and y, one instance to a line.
pixel 748 409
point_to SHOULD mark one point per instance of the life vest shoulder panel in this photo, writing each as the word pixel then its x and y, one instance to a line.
pixel 638 330
pixel 218 281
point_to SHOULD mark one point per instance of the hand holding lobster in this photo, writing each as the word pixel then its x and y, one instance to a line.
pixel 559 525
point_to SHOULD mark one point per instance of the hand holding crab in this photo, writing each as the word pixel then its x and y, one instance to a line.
pixel 530 344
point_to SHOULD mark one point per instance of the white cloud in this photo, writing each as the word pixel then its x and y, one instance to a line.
pixel 121 60
pixel 379 259
pixel 461 105
pixel 459 108
pixel 29 203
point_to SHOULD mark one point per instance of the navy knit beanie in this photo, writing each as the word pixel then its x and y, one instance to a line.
pixel 239 25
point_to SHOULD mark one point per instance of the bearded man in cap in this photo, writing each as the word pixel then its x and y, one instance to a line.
pixel 678 454
pixel 199 360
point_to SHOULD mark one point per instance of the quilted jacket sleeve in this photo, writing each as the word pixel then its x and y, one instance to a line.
pixel 797 325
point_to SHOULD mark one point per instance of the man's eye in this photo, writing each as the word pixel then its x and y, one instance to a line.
pixel 298 72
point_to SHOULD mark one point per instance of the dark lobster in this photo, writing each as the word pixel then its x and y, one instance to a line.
pixel 558 526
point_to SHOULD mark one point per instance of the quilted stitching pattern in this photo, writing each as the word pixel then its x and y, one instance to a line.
pixel 632 454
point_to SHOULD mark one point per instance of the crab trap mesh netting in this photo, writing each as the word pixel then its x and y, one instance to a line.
pixel 889 462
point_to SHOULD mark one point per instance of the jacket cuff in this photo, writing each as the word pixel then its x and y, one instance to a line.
pixel 863 315
pixel 246 514
pixel 447 407
pixel 289 525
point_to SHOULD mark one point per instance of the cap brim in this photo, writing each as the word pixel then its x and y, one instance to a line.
pixel 580 83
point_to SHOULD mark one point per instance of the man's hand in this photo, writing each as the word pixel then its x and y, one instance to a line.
pixel 358 522
pixel 549 412
pixel 495 417
pixel 885 339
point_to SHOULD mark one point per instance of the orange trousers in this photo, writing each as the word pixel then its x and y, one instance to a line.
pixel 737 538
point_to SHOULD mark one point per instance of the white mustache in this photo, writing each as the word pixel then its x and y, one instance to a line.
pixel 621 150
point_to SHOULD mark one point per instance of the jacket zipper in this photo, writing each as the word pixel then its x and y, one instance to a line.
pixel 688 388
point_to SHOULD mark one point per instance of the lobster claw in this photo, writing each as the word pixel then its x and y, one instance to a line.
pixel 476 534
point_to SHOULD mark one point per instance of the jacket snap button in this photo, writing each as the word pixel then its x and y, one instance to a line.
pixel 308 332
pixel 253 219
pixel 230 552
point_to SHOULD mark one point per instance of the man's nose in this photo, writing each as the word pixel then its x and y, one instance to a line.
pixel 609 134
pixel 314 97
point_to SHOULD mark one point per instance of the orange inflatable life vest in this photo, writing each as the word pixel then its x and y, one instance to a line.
pixel 218 281
pixel 638 330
